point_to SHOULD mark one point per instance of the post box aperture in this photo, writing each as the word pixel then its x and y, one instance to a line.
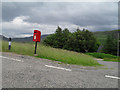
pixel 37 36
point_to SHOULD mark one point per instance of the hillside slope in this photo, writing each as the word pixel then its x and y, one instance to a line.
pixel 102 35
pixel 64 56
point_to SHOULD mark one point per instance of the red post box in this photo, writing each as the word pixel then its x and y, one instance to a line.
pixel 37 36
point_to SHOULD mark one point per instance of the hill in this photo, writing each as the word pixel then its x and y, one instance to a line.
pixel 3 38
pixel 25 39
pixel 102 35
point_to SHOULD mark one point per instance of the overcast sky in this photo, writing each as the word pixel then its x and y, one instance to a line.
pixel 19 19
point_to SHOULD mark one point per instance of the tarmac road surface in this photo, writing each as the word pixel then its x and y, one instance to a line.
pixel 19 71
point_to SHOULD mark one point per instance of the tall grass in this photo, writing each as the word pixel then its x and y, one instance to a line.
pixel 47 52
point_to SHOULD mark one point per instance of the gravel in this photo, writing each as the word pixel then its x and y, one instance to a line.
pixel 32 73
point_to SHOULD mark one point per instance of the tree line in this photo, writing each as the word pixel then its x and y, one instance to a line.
pixel 79 41
pixel 111 45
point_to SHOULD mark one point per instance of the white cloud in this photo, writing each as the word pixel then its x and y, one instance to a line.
pixel 19 20
pixel 16 24
pixel 18 27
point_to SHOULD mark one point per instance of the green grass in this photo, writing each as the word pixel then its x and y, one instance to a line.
pixel 112 59
pixel 101 55
pixel 0 45
pixel 105 57
pixel 47 52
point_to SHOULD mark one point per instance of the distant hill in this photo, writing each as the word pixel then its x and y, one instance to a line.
pixel 3 38
pixel 102 35
pixel 26 39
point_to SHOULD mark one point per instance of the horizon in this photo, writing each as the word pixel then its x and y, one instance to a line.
pixel 51 33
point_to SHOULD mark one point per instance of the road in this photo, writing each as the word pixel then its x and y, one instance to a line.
pixel 19 71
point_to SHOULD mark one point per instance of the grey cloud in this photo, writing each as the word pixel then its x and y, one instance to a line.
pixel 93 16
pixel 77 13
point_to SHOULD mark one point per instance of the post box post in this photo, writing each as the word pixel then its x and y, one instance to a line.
pixel 35 47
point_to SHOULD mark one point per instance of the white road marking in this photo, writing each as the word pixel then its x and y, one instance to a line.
pixel 12 59
pixel 58 67
pixel 112 77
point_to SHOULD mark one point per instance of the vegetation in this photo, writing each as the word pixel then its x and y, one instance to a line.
pixel 101 55
pixel 102 35
pixel 112 59
pixel 110 45
pixel 84 40
pixel 109 41
pixel 79 41
pixel 47 52
pixel 0 45
pixel 105 57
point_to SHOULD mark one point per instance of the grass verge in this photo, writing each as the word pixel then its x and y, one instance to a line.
pixel 112 59
pixel 47 52
pixel 105 57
